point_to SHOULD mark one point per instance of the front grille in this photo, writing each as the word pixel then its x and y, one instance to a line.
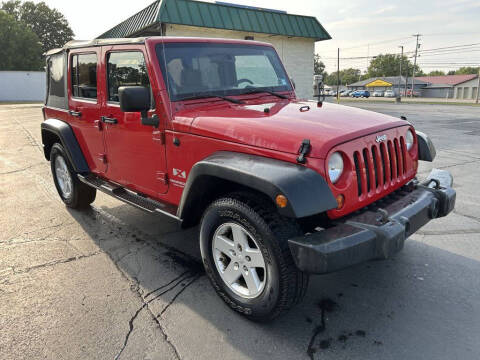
pixel 380 166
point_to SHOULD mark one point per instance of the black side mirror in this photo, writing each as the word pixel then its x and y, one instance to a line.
pixel 137 99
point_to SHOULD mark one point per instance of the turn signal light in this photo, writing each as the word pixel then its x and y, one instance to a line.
pixel 340 201
pixel 281 201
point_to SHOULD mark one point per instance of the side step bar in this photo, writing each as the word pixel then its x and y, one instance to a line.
pixel 140 201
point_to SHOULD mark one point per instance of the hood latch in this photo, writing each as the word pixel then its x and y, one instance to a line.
pixel 303 151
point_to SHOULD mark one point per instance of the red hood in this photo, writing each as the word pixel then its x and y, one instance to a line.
pixel 285 125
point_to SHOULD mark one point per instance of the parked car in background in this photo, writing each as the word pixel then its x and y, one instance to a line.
pixel 378 93
pixel 416 93
pixel 389 93
pixel 360 94
pixel 327 92
pixel 345 92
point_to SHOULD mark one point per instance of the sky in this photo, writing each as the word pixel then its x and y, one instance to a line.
pixel 361 29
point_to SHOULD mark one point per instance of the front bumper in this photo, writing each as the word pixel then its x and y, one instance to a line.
pixel 379 230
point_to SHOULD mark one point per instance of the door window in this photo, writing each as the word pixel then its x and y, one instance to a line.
pixel 84 76
pixel 125 69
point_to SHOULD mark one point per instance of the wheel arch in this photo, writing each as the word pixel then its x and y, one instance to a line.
pixel 57 131
pixel 224 172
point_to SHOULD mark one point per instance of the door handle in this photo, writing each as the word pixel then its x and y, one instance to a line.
pixel 108 120
pixel 75 113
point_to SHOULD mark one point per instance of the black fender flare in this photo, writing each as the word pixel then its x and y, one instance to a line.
pixel 426 149
pixel 306 190
pixel 64 132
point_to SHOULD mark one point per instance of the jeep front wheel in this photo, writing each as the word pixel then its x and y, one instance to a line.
pixel 246 256
pixel 73 192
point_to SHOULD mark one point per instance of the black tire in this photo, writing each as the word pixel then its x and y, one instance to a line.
pixel 81 195
pixel 285 285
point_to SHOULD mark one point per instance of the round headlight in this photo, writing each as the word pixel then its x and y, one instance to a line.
pixel 409 139
pixel 335 167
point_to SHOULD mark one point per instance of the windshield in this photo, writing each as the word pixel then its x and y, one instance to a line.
pixel 201 69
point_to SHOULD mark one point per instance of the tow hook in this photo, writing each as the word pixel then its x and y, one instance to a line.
pixel 382 217
pixel 305 148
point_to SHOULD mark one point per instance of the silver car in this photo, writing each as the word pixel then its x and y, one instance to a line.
pixel 389 93
pixel 377 93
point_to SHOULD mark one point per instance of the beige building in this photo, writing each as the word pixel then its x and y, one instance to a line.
pixel 293 36
pixel 467 90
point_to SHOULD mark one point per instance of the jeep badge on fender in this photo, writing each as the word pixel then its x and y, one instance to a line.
pixel 278 194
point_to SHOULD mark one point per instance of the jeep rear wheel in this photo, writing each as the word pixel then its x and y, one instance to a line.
pixel 246 256
pixel 73 192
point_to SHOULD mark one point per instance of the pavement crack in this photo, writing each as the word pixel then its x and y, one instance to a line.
pixel 166 288
pixel 195 278
pixel 18 170
pixel 460 164
pixel 455 211
pixel 326 305
pixel 54 262
pixel 449 232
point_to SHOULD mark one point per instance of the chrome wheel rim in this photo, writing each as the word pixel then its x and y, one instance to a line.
pixel 63 177
pixel 239 260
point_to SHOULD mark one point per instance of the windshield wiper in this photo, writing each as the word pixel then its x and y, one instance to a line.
pixel 206 96
pixel 258 91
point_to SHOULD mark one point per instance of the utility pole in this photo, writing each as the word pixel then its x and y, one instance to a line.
pixel 414 64
pixel 338 76
pixel 478 86
pixel 400 78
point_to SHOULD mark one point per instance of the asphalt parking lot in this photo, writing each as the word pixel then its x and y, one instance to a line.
pixel 116 283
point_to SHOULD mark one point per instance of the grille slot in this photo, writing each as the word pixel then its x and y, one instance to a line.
pixel 380 166
pixel 356 160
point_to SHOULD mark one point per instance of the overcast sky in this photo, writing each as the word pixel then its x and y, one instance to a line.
pixel 352 24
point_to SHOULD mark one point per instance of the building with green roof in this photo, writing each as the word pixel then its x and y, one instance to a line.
pixel 293 36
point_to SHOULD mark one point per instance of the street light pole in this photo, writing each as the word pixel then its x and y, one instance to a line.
pixel 338 76
pixel 414 64
pixel 400 77
pixel 478 86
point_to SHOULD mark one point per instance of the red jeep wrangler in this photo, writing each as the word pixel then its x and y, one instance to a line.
pixel 210 132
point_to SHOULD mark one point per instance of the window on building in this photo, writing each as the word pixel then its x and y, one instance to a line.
pixel 84 76
pixel 459 93
pixel 466 91
pixel 125 69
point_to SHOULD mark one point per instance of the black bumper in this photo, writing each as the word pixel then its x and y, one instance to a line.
pixel 377 232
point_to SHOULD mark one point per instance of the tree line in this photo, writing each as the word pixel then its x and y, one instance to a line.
pixel 381 66
pixel 27 31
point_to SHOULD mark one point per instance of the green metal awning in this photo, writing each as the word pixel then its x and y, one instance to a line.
pixel 218 16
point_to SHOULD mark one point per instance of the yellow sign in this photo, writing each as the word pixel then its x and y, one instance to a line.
pixel 378 82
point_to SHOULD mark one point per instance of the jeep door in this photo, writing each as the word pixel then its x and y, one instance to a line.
pixel 85 103
pixel 135 152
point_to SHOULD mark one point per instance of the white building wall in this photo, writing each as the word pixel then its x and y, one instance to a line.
pixel 296 53
pixel 22 85
pixel 467 90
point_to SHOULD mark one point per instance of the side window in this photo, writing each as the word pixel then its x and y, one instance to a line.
pixel 125 69
pixel 56 81
pixel 84 76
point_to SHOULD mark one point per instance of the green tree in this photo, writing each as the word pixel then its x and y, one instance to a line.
pixel 21 48
pixel 318 65
pixel 48 24
pixel 389 65
pixel 466 70
pixel 347 76
pixel 436 73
